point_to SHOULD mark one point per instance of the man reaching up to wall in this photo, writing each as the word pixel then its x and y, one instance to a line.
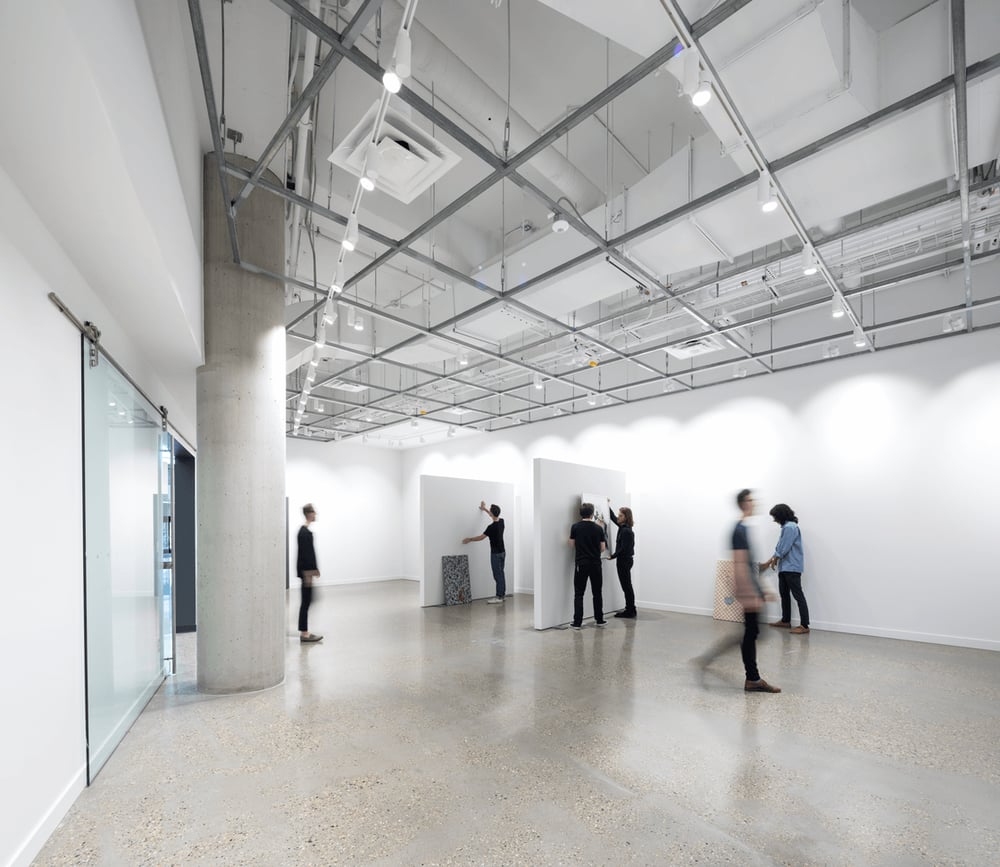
pixel 498 554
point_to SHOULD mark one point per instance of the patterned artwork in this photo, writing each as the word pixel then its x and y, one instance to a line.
pixel 455 571
pixel 726 606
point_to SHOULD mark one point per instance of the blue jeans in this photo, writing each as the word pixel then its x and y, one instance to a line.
pixel 497 559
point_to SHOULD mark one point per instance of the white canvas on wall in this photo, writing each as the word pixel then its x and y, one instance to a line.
pixel 449 512
pixel 557 487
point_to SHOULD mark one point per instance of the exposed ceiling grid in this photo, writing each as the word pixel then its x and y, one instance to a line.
pixel 476 315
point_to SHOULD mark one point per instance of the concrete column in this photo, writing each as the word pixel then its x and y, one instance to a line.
pixel 241 450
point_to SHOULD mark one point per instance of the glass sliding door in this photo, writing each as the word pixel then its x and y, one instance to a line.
pixel 126 614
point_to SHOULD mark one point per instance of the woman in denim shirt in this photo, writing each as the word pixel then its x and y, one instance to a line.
pixel 788 553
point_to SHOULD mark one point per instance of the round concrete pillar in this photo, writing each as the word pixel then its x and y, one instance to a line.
pixel 241 449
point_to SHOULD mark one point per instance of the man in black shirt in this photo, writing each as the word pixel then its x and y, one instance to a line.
pixel 589 542
pixel 308 571
pixel 498 554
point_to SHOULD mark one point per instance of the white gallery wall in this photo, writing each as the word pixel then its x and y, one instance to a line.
pixel 558 486
pixel 108 229
pixel 360 515
pixel 449 512
pixel 890 460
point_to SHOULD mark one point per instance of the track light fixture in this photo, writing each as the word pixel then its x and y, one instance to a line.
pixel 695 81
pixel 860 340
pixel 765 194
pixel 399 69
pixel 463 359
pixel 559 223
pixel 351 235
pixel 836 307
pixel 451 431
pixel 538 381
pixel 370 171
pixel 337 286
pixel 359 323
pixel 592 399
pixel 810 265
pixel 320 337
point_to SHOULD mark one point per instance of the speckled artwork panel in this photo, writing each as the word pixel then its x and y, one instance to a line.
pixel 457 584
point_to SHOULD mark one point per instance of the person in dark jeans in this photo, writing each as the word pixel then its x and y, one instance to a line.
pixel 589 542
pixel 750 596
pixel 498 553
pixel 308 571
pixel 788 560
pixel 624 555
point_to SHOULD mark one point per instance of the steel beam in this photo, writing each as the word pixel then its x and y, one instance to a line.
pixel 351 33
pixel 201 48
pixel 962 135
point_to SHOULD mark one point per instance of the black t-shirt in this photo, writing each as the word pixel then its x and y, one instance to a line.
pixel 741 542
pixel 587 537
pixel 494 532
pixel 306 559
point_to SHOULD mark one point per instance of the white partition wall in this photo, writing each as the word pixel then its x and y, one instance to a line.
pixel 558 486
pixel 449 512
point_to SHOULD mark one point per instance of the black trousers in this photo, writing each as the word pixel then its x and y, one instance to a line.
pixel 748 647
pixel 588 569
pixel 307 597
pixel 747 643
pixel 624 566
pixel 790 584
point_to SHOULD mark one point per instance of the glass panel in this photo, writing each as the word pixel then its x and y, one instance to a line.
pixel 123 556
pixel 166 587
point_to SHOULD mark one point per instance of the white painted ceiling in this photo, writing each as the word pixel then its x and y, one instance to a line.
pixel 667 241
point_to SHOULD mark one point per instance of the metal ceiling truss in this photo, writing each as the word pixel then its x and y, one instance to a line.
pixel 341 46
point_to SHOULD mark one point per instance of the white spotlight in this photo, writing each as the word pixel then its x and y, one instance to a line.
pixel 703 94
pixel 860 340
pixel 538 381
pixel 320 337
pixel 592 399
pixel 359 323
pixel 463 359
pixel 809 264
pixel 836 308
pixel 351 236
pixel 765 194
pixel 394 76
pixel 451 431
pixel 559 223
pixel 337 286
pixel 370 172
pixel 694 81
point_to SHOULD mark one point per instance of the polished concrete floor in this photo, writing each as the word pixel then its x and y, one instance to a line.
pixel 461 736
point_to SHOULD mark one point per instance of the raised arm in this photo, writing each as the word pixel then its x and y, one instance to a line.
pixel 484 508
pixel 611 514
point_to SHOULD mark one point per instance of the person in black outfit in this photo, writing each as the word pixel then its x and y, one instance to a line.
pixel 308 571
pixel 751 597
pixel 589 542
pixel 624 555
pixel 498 553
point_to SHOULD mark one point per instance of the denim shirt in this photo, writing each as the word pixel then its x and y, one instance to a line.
pixel 789 548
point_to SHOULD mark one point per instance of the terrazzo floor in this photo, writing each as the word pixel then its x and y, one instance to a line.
pixel 461 736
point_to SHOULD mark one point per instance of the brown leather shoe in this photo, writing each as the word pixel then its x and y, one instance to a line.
pixel 759 686
pixel 799 630
pixel 781 624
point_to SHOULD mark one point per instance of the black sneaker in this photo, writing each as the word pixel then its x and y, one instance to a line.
pixel 601 622
pixel 576 626
pixel 628 614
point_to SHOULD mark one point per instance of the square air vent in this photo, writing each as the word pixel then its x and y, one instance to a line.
pixel 697 346
pixel 344 385
pixel 410 160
